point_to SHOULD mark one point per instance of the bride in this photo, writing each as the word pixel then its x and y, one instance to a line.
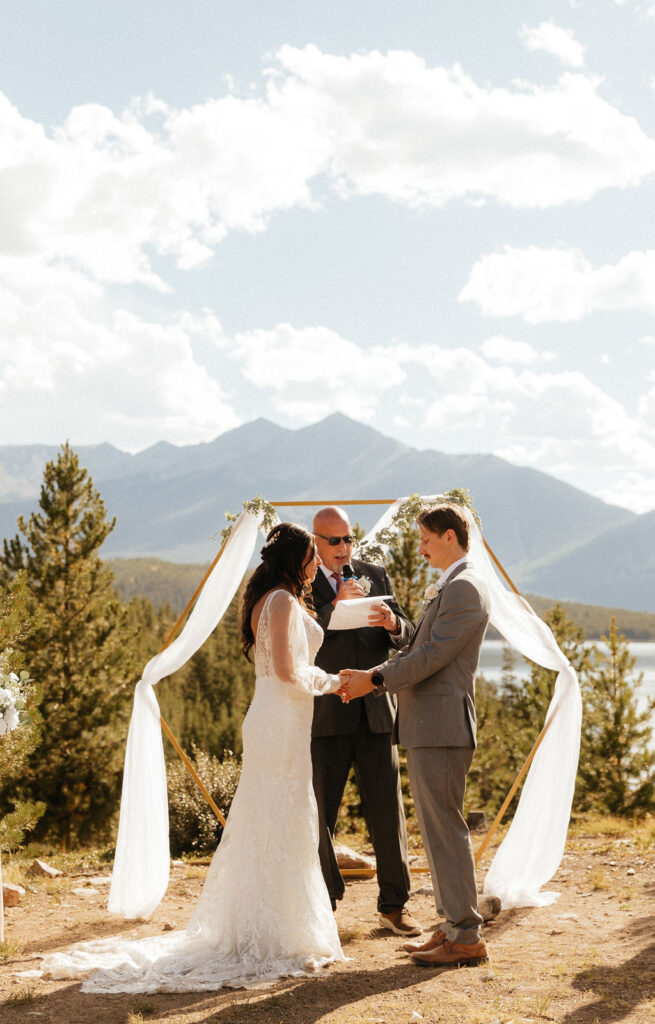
pixel 264 911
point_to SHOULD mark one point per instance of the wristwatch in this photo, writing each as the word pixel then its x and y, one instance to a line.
pixel 377 679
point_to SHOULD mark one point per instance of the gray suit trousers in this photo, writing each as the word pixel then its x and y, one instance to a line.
pixel 438 778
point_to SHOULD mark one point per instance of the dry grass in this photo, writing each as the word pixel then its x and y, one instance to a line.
pixel 9 949
pixel 588 957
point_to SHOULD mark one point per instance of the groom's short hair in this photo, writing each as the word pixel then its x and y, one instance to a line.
pixel 440 518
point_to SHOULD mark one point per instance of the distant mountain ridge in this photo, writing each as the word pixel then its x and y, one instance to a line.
pixel 170 501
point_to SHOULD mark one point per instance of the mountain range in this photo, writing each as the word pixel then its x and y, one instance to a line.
pixel 169 501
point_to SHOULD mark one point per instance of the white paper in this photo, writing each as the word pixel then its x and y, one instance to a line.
pixel 353 613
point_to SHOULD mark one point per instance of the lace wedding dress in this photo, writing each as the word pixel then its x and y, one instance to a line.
pixel 264 911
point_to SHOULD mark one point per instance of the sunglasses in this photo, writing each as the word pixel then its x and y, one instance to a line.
pixel 333 541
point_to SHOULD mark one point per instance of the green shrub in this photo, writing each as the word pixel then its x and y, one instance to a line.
pixel 193 825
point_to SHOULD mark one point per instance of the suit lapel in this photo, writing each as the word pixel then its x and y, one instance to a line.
pixel 322 586
pixel 434 603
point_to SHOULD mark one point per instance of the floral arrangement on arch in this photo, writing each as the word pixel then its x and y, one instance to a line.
pixel 374 550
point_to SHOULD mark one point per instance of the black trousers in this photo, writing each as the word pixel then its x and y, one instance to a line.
pixel 376 770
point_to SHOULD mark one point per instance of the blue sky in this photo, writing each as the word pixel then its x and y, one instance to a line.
pixel 436 218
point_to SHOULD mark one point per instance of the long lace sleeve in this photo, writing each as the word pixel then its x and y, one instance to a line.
pixel 289 648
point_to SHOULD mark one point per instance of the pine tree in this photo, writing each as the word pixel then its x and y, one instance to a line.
pixel 409 571
pixel 82 653
pixel 617 764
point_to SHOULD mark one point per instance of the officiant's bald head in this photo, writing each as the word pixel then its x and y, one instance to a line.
pixel 334 537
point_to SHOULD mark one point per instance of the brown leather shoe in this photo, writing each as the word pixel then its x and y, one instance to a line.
pixel 422 947
pixel 400 922
pixel 454 954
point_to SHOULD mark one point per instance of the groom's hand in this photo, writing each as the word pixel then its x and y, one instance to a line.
pixel 356 683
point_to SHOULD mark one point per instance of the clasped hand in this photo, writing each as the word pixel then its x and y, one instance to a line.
pixel 354 683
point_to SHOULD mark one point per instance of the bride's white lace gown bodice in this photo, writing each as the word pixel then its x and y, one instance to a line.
pixel 264 911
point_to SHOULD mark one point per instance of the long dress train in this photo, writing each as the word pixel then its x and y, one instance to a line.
pixel 264 911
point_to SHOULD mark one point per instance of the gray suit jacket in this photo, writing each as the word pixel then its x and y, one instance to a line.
pixel 434 675
pixel 355 648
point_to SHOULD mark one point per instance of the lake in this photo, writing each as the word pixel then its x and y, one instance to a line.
pixel 492 656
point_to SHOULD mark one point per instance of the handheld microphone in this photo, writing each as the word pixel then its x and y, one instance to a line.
pixel 348 573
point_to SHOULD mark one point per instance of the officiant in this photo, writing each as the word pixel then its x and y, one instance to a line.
pixel 359 733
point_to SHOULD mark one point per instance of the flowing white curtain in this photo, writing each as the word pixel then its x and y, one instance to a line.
pixel 532 849
pixel 142 862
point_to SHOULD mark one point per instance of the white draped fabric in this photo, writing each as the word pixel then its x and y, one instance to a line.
pixel 532 849
pixel 142 862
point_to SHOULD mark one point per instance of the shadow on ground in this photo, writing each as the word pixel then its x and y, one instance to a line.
pixel 306 999
pixel 618 989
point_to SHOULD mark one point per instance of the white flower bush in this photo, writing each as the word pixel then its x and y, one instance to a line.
pixel 12 698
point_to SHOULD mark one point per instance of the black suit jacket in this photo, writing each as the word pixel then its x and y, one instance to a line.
pixel 355 648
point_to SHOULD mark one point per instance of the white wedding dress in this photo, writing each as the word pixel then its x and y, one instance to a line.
pixel 264 911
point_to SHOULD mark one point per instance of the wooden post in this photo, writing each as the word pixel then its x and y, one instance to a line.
pixel 194 775
pixel 517 783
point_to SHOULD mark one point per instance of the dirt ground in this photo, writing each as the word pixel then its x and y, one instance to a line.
pixel 589 958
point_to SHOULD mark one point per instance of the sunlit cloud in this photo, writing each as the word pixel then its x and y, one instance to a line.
pixel 70 366
pixel 312 371
pixel 507 350
pixel 559 42
pixel 105 190
pixel 543 285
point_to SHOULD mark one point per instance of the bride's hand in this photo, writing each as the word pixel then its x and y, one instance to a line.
pixel 344 676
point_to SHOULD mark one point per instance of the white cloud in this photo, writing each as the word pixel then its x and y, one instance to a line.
pixel 543 285
pixel 313 371
pixel 560 423
pixel 71 367
pixel 506 350
pixel 560 42
pixel 425 135
pixel 104 190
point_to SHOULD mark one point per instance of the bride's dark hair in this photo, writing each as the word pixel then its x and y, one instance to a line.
pixel 285 556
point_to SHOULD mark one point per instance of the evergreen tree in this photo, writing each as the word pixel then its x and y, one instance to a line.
pixel 617 764
pixel 409 571
pixel 82 652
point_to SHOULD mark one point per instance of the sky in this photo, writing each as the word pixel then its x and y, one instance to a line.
pixel 436 218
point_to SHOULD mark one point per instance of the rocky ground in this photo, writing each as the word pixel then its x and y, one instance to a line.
pixel 587 959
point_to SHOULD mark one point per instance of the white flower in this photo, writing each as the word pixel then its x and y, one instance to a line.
pixel 11 718
pixel 431 592
pixel 10 693
pixel 365 584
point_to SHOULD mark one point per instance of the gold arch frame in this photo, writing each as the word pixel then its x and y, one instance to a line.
pixel 319 504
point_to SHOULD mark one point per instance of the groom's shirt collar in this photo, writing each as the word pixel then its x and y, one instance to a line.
pixel 447 573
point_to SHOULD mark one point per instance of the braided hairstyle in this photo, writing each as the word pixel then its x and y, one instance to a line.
pixel 286 554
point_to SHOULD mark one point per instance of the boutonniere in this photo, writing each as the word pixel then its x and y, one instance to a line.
pixel 365 584
pixel 430 593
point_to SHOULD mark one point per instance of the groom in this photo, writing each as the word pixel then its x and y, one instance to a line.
pixel 434 678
